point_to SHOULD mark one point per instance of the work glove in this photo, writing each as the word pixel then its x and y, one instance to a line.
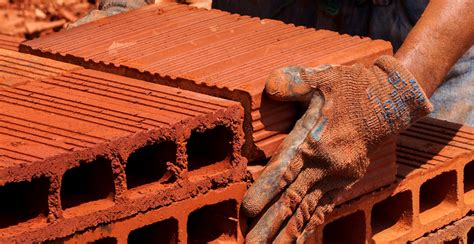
pixel 351 111
pixel 108 8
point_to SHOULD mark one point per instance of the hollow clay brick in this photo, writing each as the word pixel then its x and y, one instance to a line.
pixel 220 54
pixel 83 132
pixel 461 231
pixel 432 156
pixel 10 43
pixel 212 52
pixel 216 212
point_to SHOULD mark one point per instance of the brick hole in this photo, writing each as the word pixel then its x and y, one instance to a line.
pixel 149 164
pixel 165 231
pixel 437 196
pixel 469 182
pixel 209 147
pixel 23 201
pixel 88 182
pixel 106 240
pixel 454 241
pixel 217 222
pixel 348 229
pixel 470 236
pixel 393 215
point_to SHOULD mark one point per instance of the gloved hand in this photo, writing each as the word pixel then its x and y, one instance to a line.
pixel 109 8
pixel 352 109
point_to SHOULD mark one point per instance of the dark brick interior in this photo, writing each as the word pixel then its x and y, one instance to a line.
pixel 470 236
pixel 213 223
pixel 165 232
pixel 469 177
pixel 23 201
pixel 149 164
pixel 89 182
pixel 209 147
pixel 106 240
pixel 395 211
pixel 348 229
pixel 438 190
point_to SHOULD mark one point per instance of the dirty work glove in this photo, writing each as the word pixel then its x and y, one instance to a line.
pixel 352 109
pixel 109 8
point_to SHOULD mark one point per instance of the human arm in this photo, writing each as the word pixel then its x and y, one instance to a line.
pixel 439 38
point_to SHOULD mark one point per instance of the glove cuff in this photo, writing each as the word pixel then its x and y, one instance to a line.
pixel 403 100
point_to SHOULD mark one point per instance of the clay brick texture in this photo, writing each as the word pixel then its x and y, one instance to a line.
pixel 212 52
pixel 434 189
pixel 459 232
pixel 10 43
pixel 79 147
pixel 220 54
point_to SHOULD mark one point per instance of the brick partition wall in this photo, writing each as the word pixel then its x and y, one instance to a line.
pixel 211 217
pixel 80 147
pixel 435 160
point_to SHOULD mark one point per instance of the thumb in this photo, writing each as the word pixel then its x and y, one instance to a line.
pixel 289 84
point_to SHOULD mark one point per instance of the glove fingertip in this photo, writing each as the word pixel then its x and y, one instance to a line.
pixel 250 207
pixel 285 84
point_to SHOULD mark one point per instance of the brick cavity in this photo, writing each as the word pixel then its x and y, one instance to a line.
pixel 348 229
pixel 165 231
pixel 23 201
pixel 212 147
pixel 438 196
pixel 392 217
pixel 469 182
pixel 470 236
pixel 213 223
pixel 88 182
pixel 151 164
pixel 106 240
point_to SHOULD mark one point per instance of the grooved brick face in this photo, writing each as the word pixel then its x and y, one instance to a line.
pixel 212 52
pixel 10 43
pixel 80 147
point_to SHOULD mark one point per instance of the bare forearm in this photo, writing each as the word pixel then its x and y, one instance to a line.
pixel 441 36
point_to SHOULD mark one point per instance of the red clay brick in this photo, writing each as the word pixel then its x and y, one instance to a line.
pixel 220 54
pixel 211 217
pixel 460 231
pixel 431 157
pixel 68 137
pixel 10 43
pixel 212 52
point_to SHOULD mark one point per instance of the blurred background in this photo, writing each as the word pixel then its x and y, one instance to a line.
pixel 33 18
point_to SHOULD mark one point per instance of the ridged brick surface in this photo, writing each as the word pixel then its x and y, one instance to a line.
pixel 434 189
pixel 80 147
pixel 212 52
pixel 461 231
pixel 10 43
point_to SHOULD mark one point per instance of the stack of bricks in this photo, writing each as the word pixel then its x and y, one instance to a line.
pixel 80 148
pixel 91 156
pixel 219 54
